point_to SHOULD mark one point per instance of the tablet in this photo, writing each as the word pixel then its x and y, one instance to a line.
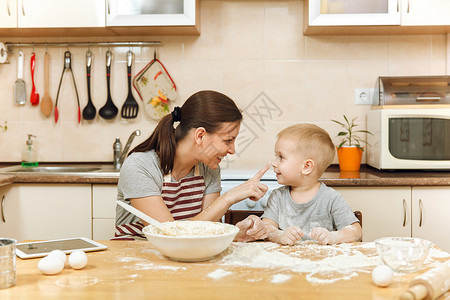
pixel 42 248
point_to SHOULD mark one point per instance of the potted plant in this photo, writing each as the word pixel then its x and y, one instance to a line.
pixel 350 150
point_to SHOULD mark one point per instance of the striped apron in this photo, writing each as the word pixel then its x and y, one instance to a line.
pixel 183 199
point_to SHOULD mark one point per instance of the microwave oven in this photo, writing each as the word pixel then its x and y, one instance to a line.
pixel 409 138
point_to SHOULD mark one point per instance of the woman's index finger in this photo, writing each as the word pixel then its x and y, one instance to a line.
pixel 261 172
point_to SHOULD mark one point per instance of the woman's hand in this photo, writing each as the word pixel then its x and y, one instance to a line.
pixel 252 188
pixel 250 229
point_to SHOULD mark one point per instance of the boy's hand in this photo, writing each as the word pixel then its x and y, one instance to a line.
pixel 251 229
pixel 291 235
pixel 323 236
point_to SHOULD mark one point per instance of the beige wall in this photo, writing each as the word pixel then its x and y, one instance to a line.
pixel 254 51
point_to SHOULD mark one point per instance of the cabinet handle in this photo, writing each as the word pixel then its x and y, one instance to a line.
pixel 23 9
pixel 398 6
pixel 109 9
pixel 421 214
pixel 407 11
pixel 1 208
pixel 7 7
pixel 404 212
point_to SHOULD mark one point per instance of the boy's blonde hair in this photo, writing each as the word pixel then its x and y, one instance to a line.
pixel 312 141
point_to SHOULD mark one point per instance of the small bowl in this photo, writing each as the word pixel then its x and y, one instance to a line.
pixel 192 240
pixel 403 254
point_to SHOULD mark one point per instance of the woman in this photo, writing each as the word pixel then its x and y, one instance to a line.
pixel 175 174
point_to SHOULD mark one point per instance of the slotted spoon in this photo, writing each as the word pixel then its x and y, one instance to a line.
pixel 130 108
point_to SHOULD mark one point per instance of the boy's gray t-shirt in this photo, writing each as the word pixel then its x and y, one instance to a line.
pixel 327 209
pixel 141 176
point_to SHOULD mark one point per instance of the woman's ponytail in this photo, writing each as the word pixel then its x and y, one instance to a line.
pixel 163 142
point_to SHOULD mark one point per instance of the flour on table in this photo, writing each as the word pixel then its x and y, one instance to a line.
pixel 325 264
pixel 279 278
pixel 219 273
pixel 151 266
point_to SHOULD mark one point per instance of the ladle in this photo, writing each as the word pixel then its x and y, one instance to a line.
pixel 109 110
pixel 144 217
pixel 89 111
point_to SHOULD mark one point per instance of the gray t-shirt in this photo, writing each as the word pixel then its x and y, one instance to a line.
pixel 327 209
pixel 141 176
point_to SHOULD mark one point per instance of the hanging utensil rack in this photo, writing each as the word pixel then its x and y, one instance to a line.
pixel 9 46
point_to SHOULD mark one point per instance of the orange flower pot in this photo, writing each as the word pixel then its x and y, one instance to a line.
pixel 349 158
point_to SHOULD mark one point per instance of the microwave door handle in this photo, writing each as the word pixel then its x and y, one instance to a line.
pixel 428 99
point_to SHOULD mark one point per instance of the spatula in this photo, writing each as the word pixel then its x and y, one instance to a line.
pixel 46 104
pixel 143 216
pixel 34 97
pixel 130 108
pixel 20 91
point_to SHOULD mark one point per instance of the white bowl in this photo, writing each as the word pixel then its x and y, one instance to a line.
pixel 403 254
pixel 192 240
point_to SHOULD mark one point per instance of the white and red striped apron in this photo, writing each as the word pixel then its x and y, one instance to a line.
pixel 183 199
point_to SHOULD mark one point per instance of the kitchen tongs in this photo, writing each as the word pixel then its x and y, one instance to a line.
pixel 68 67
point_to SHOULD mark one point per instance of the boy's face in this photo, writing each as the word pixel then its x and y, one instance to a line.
pixel 288 162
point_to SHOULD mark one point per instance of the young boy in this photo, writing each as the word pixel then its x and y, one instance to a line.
pixel 304 207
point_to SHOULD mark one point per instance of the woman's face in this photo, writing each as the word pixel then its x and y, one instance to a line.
pixel 215 146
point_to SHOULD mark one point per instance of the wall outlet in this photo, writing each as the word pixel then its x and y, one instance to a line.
pixel 364 96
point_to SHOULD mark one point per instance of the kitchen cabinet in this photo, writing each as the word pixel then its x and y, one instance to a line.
pixel 353 12
pixel 385 211
pixel 35 18
pixel 402 211
pixel 425 12
pixel 164 16
pixel 45 211
pixel 8 13
pixel 430 212
pixel 376 16
pixel 52 14
pixel 104 197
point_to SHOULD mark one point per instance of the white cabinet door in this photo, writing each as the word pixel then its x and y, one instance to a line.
pixel 353 12
pixel 104 197
pixel 8 13
pixel 425 12
pixel 46 211
pixel 430 212
pixel 151 13
pixel 386 211
pixel 61 13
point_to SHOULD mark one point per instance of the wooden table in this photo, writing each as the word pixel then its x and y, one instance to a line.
pixel 133 270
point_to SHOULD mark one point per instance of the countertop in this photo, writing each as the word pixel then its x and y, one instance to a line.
pixel 134 270
pixel 367 176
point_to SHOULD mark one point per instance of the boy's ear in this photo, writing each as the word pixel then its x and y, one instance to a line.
pixel 308 166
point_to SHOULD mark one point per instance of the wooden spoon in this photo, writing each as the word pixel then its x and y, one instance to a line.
pixel 46 104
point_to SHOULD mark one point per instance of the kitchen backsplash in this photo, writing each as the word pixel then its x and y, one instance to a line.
pixel 253 51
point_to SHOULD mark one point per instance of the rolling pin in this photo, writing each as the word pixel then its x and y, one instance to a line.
pixel 430 284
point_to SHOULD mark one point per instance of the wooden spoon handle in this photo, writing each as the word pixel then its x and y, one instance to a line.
pixel 46 71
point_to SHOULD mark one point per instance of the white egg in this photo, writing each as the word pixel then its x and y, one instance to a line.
pixel 382 275
pixel 59 254
pixel 50 265
pixel 78 259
